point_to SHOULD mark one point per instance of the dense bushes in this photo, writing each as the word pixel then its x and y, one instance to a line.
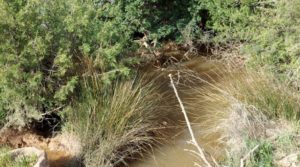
pixel 266 29
pixel 67 55
pixel 275 43
pixel 42 47
pixel 46 47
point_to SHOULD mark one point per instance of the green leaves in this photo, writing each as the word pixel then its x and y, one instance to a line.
pixel 46 46
pixel 263 156
pixel 42 44
pixel 63 63
pixel 65 90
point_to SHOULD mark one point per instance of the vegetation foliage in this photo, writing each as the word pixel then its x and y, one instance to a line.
pixel 263 156
pixel 116 123
pixel 43 43
pixel 70 55
pixel 23 161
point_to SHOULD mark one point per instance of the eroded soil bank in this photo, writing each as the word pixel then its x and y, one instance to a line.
pixel 61 150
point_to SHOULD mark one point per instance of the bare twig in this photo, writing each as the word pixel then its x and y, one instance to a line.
pixel 248 155
pixel 194 141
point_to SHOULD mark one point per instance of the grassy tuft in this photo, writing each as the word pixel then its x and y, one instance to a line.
pixel 116 123
pixel 7 161
pixel 241 105
pixel 263 156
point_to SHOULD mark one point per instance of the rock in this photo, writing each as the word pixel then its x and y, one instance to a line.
pixel 289 161
pixel 42 160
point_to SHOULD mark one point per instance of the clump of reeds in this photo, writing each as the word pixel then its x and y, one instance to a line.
pixel 238 105
pixel 117 123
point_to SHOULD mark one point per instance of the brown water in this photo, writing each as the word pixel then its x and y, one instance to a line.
pixel 178 150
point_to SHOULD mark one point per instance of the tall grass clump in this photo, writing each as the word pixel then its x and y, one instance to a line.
pixel 116 123
pixel 233 107
pixel 263 100
pixel 269 95
pixel 258 89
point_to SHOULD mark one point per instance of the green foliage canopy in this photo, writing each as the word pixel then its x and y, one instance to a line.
pixel 43 43
pixel 46 47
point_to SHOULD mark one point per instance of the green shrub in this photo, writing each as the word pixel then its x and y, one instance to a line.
pixel 226 20
pixel 42 44
pixel 275 42
pixel 268 31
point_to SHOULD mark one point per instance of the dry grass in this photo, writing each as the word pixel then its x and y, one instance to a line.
pixel 117 124
pixel 230 106
pixel 239 106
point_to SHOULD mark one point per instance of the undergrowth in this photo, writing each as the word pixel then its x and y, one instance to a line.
pixel 270 96
pixel 44 44
pixel 116 124
pixel 263 156
pixel 245 107
pixel 48 49
pixel 7 161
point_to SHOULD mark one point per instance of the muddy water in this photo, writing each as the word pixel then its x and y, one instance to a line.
pixel 178 150
pixel 58 158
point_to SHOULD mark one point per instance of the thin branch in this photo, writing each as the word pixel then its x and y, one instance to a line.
pixel 195 143
pixel 248 155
